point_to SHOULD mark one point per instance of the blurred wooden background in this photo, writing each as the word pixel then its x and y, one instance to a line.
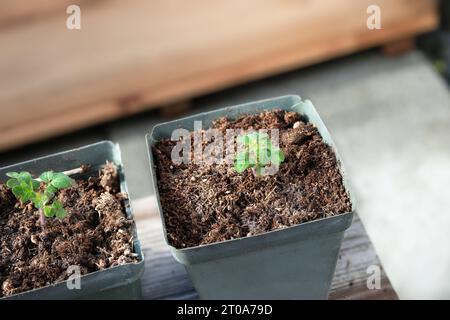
pixel 134 55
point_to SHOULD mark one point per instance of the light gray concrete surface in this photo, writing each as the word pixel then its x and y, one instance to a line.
pixel 390 118
pixel 130 134
pixel 391 121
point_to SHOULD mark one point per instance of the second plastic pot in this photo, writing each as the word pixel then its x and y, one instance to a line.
pixel 119 282
pixel 293 263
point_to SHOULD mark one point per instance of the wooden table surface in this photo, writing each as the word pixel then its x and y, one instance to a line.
pixel 164 278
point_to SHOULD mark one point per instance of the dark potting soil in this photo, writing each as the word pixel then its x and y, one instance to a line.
pixel 95 235
pixel 204 204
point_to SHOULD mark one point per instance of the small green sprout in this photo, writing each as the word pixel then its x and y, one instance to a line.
pixel 25 188
pixel 257 154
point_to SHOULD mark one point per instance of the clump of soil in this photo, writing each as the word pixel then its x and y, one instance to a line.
pixel 95 235
pixel 204 204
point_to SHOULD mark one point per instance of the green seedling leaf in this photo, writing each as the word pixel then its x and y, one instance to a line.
pixel 17 191
pixel 281 155
pixel 59 209
pixel 264 156
pixel 11 183
pixel 35 184
pixel 50 191
pixel 241 163
pixel 39 199
pixel 56 180
pixel 240 166
pixel 277 157
pixel 61 181
pixel 56 209
pixel 46 176
pixel 253 139
pixel 22 179
pixel 25 188
pixel 25 177
pixel 259 153
pixel 14 175
pixel 48 211
pixel 243 140
pixel 262 136
pixel 23 192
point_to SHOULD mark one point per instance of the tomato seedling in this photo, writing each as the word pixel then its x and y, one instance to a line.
pixel 25 188
pixel 257 154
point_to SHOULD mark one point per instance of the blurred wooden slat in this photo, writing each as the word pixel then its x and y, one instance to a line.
pixel 63 121
pixel 141 54
pixel 19 11
pixel 399 47
pixel 164 278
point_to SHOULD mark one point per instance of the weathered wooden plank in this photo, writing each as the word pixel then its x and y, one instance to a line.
pixel 399 47
pixel 148 53
pixel 165 278
pixel 360 292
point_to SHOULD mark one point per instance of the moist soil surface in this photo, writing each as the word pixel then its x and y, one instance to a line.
pixel 205 204
pixel 95 235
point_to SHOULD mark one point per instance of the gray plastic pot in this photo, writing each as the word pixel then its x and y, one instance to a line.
pixel 293 263
pixel 120 282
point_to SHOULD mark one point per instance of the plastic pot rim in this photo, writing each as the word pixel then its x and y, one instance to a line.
pixel 181 254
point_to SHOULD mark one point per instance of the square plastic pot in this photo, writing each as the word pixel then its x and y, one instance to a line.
pixel 120 282
pixel 297 262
